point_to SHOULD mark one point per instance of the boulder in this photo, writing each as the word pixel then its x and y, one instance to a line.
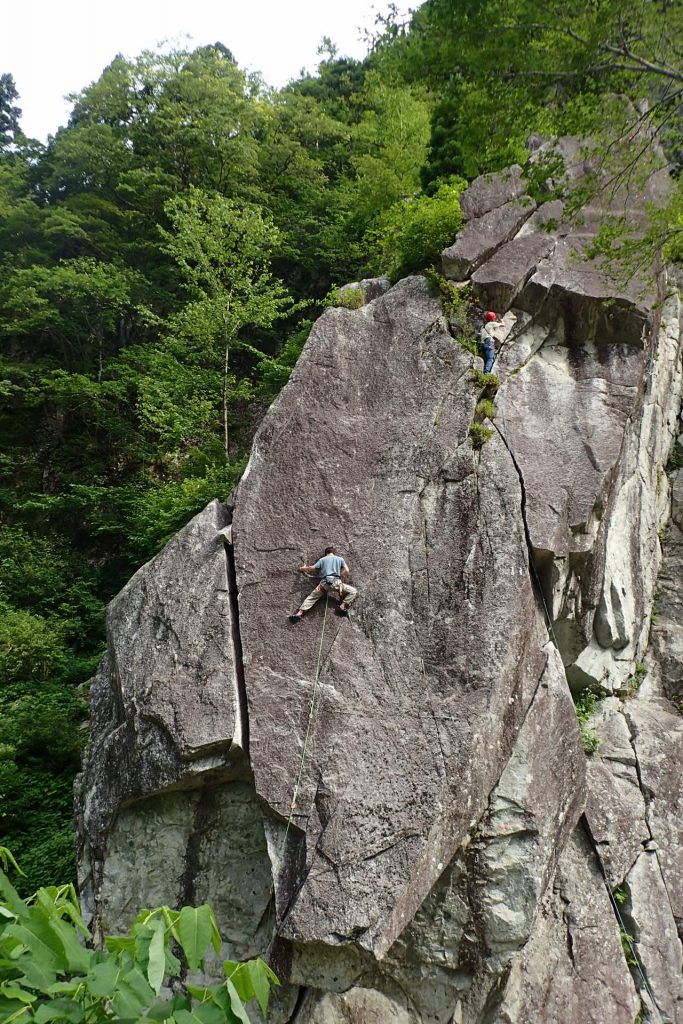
pixel 387 474
pixel 482 237
pixel 370 288
pixel 167 705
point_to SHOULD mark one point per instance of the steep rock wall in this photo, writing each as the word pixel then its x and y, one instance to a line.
pixel 450 856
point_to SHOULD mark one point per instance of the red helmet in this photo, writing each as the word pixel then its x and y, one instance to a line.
pixel 490 317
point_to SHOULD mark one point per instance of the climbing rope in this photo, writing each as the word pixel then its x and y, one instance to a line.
pixel 302 765
pixel 309 727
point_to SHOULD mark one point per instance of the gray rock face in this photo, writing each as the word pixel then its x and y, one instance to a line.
pixel 667 630
pixel 633 815
pixel 378 809
pixel 657 732
pixel 572 970
pixel 491 191
pixel 616 811
pixel 588 407
pixel 166 707
pixel 502 278
pixel 655 942
pixel 480 238
pixel 418 837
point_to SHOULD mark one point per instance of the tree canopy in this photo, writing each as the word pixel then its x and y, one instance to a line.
pixel 162 259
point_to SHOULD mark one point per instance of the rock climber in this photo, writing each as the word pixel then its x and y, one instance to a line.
pixel 486 336
pixel 331 569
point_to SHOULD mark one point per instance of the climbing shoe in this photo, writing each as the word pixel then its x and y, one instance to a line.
pixel 295 618
pixel 343 612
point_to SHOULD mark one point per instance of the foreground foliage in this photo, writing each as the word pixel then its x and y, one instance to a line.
pixel 48 973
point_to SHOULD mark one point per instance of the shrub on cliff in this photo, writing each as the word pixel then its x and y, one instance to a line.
pixel 414 232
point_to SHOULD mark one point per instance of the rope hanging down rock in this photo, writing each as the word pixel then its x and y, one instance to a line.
pixel 302 764
pixel 309 727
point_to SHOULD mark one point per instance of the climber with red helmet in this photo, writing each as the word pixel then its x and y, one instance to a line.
pixel 486 336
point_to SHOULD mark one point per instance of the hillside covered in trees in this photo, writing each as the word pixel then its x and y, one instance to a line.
pixel 165 255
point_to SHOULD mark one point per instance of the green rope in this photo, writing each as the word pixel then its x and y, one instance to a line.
pixel 309 727
pixel 297 784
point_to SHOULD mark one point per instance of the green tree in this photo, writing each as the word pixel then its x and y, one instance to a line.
pixel 72 310
pixel 9 112
pixel 388 147
pixel 223 251
pixel 413 234
pixel 520 66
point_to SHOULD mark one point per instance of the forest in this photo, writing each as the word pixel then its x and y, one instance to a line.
pixel 165 254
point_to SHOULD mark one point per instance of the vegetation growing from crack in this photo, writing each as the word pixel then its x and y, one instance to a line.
pixel 479 435
pixel 346 298
pixel 461 313
pixel 487 383
pixel 633 682
pixel 485 409
pixel 459 308
pixel 675 459
pixel 586 706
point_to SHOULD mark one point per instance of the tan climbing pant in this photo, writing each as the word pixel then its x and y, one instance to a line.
pixel 338 591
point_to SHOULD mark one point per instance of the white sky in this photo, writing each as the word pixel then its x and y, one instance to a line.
pixel 55 47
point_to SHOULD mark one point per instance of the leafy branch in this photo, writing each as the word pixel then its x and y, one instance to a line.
pixel 47 974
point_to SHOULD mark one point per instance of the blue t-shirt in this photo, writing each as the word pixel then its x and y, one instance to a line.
pixel 330 567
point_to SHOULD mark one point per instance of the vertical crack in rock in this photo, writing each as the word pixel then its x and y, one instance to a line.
pixel 298 1006
pixel 241 734
pixel 625 923
pixel 204 812
pixel 648 798
pixel 535 580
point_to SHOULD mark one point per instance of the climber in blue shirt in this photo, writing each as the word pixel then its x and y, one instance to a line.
pixel 331 569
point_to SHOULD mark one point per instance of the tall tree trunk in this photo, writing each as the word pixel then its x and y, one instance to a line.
pixel 225 385
pixel 225 399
